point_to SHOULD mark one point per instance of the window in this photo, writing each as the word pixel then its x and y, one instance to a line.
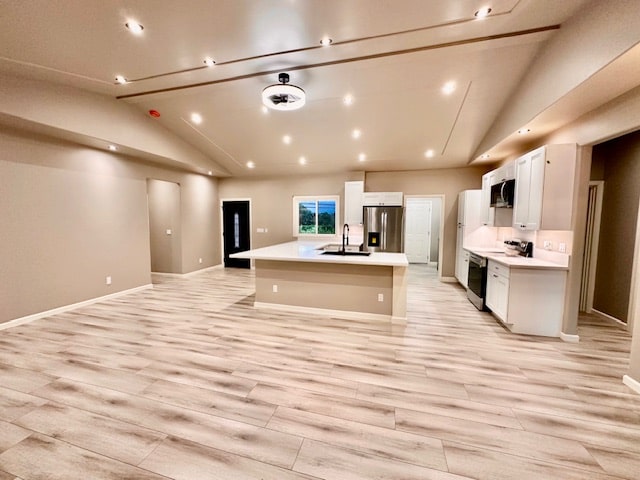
pixel 315 215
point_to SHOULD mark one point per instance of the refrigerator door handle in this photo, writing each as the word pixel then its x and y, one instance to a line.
pixel 384 231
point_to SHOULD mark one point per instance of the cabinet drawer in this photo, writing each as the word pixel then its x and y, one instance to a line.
pixel 498 269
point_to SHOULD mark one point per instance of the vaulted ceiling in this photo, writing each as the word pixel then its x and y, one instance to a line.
pixel 392 57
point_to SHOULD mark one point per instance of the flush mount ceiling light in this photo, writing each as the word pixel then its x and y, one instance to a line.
pixel 326 41
pixel 523 131
pixel 282 96
pixel 209 62
pixel 483 12
pixel 134 27
pixel 429 153
pixel 120 79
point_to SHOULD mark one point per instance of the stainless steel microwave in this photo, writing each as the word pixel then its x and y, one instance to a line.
pixel 502 194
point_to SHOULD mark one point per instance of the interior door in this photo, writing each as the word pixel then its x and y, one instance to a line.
pixel 418 230
pixel 236 232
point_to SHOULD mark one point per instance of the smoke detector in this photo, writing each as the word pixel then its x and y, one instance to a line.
pixel 282 96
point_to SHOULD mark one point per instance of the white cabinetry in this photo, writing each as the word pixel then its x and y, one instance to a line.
pixel 468 221
pixel 544 188
pixel 497 297
pixel 353 192
pixel 486 213
pixel 382 198
pixel 462 266
pixel 527 300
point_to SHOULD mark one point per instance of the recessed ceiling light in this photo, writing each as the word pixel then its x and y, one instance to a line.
pixel 429 153
pixel 113 148
pixel 120 79
pixel 210 172
pixel 134 27
pixel 196 118
pixel 302 161
pixel 356 134
pixel 286 139
pixel 209 62
pixel 523 131
pixel 348 99
pixel 326 41
pixel 449 87
pixel 250 164
pixel 264 109
pixel 485 156
pixel 362 157
pixel 483 12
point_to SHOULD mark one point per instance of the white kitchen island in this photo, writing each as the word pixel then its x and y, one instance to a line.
pixel 296 275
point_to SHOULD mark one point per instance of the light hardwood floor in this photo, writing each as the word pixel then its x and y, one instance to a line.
pixel 189 381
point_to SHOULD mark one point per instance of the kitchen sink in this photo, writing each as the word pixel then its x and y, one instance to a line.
pixel 347 253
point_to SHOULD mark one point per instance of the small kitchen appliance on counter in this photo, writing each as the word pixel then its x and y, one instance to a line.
pixel 520 248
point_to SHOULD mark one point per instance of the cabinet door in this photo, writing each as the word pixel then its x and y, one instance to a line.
pixel 523 187
pixel 485 201
pixel 372 198
pixel 536 189
pixel 353 192
pixel 497 298
pixel 461 209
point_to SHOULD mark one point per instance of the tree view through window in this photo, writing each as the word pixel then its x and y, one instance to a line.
pixel 317 217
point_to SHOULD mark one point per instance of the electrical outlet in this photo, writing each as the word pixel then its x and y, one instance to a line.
pixel 381 297
pixel 548 245
pixel 562 247
pixel 108 280
pixel 275 289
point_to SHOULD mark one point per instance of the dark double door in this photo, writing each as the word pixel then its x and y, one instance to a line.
pixel 236 232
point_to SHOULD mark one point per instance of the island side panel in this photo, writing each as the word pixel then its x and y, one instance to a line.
pixel 399 307
pixel 331 286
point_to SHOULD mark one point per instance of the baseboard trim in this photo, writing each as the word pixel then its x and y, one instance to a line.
pixel 569 338
pixel 449 279
pixel 614 319
pixel 326 312
pixel 73 306
pixel 631 383
pixel 188 274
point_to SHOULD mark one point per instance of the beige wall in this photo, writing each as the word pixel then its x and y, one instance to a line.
pixel 447 182
pixel 71 216
pixel 271 200
pixel 164 217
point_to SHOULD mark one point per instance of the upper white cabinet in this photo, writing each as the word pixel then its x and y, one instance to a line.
pixel 486 217
pixel 382 198
pixel 544 188
pixel 353 192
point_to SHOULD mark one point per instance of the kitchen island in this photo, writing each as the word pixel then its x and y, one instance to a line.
pixel 298 275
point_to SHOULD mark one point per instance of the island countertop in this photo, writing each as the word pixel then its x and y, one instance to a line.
pixel 310 251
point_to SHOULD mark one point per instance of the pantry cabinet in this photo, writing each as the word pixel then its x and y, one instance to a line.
pixel 544 188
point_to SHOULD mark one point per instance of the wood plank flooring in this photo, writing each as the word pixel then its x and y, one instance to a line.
pixel 188 381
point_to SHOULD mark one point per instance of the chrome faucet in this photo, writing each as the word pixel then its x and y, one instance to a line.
pixel 345 237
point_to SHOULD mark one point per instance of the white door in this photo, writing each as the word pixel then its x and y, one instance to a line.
pixel 417 235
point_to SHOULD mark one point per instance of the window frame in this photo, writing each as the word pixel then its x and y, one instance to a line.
pixel 314 198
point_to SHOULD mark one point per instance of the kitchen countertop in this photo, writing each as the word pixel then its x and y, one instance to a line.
pixel 308 251
pixel 499 256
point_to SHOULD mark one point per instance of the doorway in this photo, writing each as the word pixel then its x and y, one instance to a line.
pixel 423 214
pixel 236 232
pixel 591 242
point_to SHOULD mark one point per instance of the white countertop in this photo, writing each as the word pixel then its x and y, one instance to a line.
pixel 499 256
pixel 307 251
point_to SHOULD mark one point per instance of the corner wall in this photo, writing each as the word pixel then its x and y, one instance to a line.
pixel 73 216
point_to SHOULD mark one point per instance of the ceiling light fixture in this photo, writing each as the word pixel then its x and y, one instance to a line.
pixel 302 161
pixel 282 96
pixel 120 79
pixel 326 41
pixel 483 12
pixel 250 164
pixel 348 99
pixel 362 157
pixel 209 62
pixel 429 153
pixel 210 172
pixel 196 118
pixel 523 131
pixel 449 87
pixel 134 27
pixel 356 134
pixel 286 139
pixel 113 148
pixel 485 156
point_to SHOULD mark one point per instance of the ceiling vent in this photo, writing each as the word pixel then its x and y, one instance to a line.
pixel 282 96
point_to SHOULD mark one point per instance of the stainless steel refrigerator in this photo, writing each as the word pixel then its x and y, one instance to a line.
pixel 383 229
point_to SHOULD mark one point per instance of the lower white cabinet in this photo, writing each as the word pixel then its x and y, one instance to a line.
pixel 462 267
pixel 526 300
